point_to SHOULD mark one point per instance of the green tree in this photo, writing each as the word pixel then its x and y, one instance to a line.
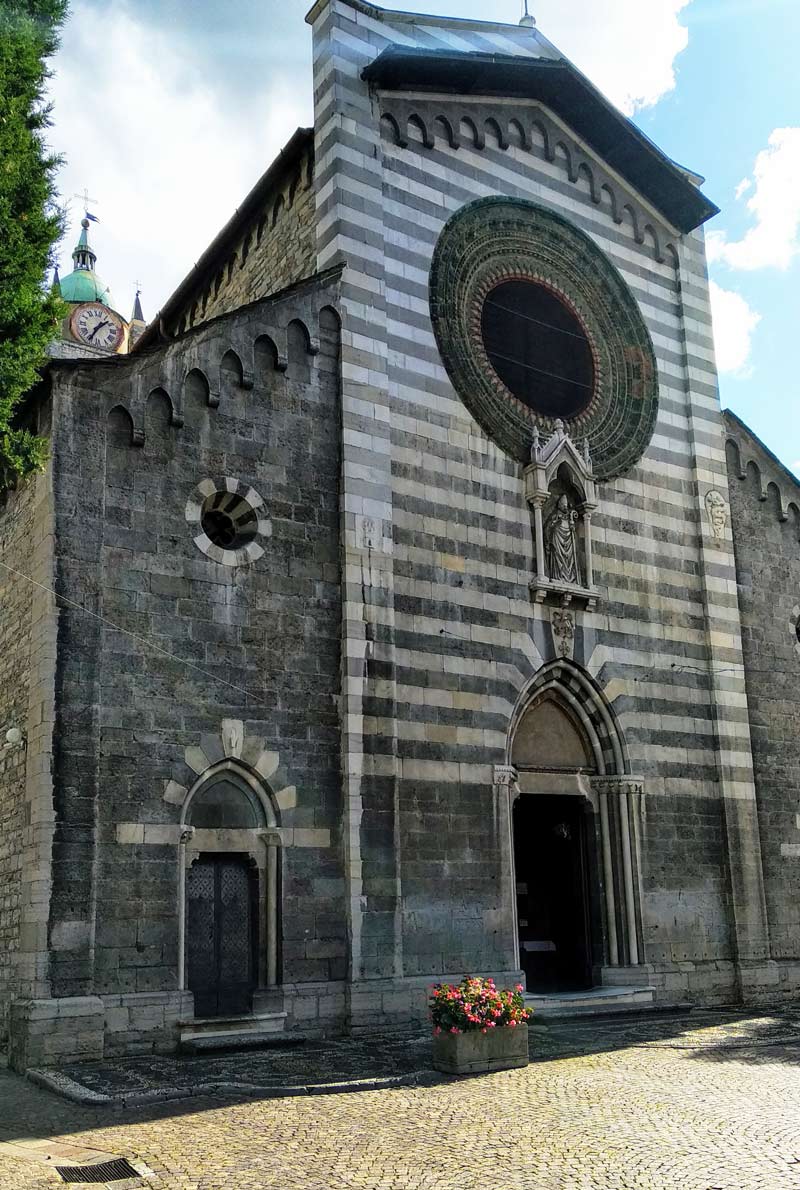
pixel 30 221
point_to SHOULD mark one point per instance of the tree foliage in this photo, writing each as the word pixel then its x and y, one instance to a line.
pixel 30 222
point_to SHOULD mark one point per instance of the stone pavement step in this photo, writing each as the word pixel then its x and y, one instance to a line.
pixel 222 1041
pixel 353 1064
pixel 592 1001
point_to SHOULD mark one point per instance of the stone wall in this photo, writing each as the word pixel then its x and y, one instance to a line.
pixel 16 533
pixel 181 641
pixel 765 512
pixel 274 248
pixel 439 549
pixel 26 663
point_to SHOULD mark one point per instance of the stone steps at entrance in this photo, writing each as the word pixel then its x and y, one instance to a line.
pixel 217 1033
pixel 603 1000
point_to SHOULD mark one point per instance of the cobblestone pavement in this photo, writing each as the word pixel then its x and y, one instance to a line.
pixel 695 1103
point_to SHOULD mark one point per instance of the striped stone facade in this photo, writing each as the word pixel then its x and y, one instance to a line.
pixel 374 667
pixel 441 640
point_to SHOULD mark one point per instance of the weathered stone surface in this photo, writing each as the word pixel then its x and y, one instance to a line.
pixel 481 1053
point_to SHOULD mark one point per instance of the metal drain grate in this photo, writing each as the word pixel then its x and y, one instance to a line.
pixel 106 1171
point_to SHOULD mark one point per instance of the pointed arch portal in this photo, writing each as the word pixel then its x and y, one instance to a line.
pixel 574 818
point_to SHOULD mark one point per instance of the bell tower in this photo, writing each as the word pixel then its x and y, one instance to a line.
pixel 92 328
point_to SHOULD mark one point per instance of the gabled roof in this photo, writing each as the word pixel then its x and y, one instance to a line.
pixel 569 94
pixel 299 143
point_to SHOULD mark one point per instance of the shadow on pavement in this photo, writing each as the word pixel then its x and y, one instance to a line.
pixel 153 1087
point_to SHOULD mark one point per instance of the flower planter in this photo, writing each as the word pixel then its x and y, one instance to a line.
pixel 478 1053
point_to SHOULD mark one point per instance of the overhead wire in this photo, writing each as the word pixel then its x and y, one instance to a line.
pixel 146 640
pixel 550 326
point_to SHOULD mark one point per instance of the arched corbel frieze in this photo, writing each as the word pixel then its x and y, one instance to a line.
pixel 436 123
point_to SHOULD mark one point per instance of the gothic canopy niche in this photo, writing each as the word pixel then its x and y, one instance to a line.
pixel 535 326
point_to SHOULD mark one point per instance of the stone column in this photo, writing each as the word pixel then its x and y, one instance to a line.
pixel 587 548
pixel 624 791
pixel 608 880
pixel 506 791
pixel 185 838
pixel 538 520
pixel 272 841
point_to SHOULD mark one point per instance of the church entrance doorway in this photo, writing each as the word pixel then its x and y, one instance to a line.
pixel 222 934
pixel 553 915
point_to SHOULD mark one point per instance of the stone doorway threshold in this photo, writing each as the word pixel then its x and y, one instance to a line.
pixel 590 1002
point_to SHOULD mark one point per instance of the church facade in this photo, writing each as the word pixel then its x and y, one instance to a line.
pixel 403 606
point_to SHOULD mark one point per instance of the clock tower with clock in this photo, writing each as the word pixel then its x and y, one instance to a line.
pixel 92 328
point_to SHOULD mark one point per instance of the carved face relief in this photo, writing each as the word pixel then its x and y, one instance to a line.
pixel 717 511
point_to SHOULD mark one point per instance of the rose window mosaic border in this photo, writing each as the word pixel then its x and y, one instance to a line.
pixel 502 239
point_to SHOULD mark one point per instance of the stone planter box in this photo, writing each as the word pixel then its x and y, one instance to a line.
pixel 479 1053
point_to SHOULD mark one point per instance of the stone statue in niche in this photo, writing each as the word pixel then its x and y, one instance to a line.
pixel 561 491
pixel 561 543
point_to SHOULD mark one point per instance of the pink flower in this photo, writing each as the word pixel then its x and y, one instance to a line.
pixel 455 1030
pixel 512 1024
pixel 437 1030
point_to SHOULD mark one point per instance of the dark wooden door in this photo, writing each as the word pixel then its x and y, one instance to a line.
pixel 221 929
pixel 552 893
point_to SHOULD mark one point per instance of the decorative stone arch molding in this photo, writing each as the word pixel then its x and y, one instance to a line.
pixel 246 759
pixel 256 757
pixel 256 836
pixel 597 769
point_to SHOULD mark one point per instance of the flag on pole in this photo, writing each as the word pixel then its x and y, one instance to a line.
pixel 93 218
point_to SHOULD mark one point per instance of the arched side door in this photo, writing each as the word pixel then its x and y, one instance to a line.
pixel 222 917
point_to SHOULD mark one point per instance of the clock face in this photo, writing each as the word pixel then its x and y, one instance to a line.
pixel 97 326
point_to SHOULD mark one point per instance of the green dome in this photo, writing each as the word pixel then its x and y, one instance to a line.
pixel 84 285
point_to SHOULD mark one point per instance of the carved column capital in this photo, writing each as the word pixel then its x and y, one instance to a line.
pixel 505 775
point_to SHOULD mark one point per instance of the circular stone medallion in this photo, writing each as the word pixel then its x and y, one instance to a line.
pixel 535 324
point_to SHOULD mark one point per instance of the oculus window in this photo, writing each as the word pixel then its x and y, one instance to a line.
pixel 539 349
pixel 228 520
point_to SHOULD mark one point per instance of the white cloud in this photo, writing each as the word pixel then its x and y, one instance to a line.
pixel 774 239
pixel 745 185
pixel 142 127
pixel 170 124
pixel 734 325
pixel 626 47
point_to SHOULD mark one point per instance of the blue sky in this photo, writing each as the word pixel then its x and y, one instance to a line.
pixel 737 82
pixel 191 99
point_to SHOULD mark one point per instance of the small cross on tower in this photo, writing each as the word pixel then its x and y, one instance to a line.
pixel 87 201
